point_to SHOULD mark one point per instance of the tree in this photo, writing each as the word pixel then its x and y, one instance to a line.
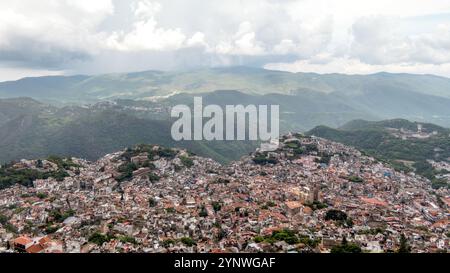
pixel 167 152
pixel 153 177
pixel 355 179
pixel 186 161
pixel 216 206
pixel 203 212
pixel 39 164
pixel 261 159
pixel 349 222
pixel 126 171
pixel 170 210
pixel 51 229
pixel 98 238
pixel 221 234
pixel 167 243
pixel 335 215
pixel 3 219
pixel 346 247
pixel 128 239
pixel 187 241
pixel 152 202
pixel 41 195
pixel 404 246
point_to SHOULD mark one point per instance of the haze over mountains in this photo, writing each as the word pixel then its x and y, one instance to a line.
pixel 245 79
pixel 89 116
pixel 31 129
pixel 334 98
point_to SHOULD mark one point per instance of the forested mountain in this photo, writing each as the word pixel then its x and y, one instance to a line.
pixel 333 98
pixel 409 146
pixel 88 116
pixel 40 130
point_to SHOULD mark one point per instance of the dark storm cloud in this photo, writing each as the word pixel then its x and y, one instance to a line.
pixel 31 53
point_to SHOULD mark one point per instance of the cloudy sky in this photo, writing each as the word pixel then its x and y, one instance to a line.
pixel 50 37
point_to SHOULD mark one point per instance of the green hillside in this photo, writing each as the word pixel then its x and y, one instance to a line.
pixel 329 99
pixel 381 140
pixel 94 132
pixel 245 79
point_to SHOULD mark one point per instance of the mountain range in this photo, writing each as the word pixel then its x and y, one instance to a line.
pixel 31 129
pixel 89 116
pixel 312 99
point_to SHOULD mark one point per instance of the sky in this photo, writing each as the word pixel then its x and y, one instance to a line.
pixel 66 37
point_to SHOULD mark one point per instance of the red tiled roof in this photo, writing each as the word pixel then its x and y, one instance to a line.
pixel 374 201
pixel 44 240
pixel 22 241
pixel 36 248
pixel 307 210
pixel 293 204
pixel 446 200
pixel 441 224
pixel 279 216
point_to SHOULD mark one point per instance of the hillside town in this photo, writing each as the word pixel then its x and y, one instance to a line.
pixel 408 134
pixel 309 195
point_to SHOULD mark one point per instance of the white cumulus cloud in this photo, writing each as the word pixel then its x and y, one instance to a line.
pixel 315 35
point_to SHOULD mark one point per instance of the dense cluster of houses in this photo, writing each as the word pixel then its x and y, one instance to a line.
pixel 207 207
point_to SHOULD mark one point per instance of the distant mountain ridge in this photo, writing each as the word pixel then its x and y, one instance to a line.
pixel 312 99
pixel 140 85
